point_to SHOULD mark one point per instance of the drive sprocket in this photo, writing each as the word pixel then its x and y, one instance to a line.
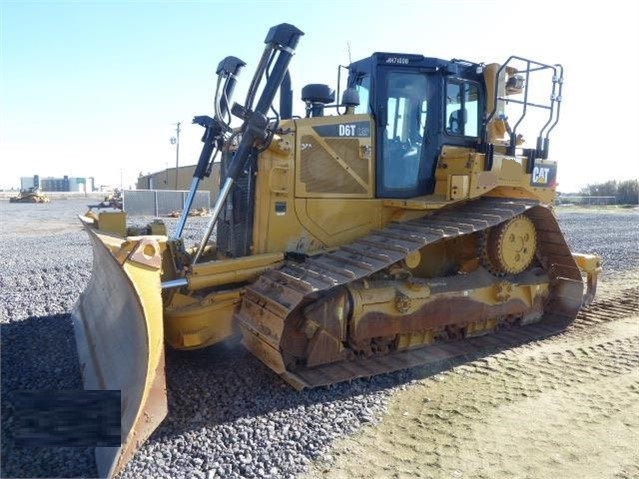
pixel 509 248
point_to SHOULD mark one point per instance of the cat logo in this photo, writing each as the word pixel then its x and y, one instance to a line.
pixel 544 174
pixel 540 175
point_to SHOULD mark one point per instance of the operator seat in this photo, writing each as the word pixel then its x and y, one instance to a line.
pixel 456 122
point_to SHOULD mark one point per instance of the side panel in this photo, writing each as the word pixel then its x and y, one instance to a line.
pixel 275 221
pixel 506 178
pixel 335 157
pixel 315 186
pixel 332 222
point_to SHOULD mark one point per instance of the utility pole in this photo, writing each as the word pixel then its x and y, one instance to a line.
pixel 177 153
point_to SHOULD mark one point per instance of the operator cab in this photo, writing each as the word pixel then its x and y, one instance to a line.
pixel 418 104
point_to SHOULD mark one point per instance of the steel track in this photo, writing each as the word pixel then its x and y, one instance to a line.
pixel 276 298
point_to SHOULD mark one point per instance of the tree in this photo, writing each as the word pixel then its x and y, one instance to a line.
pixel 628 192
pixel 609 188
pixel 625 192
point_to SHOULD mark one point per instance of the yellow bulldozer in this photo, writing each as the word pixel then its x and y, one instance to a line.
pixel 30 195
pixel 392 228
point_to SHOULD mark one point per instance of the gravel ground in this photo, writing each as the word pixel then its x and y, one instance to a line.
pixel 611 233
pixel 229 415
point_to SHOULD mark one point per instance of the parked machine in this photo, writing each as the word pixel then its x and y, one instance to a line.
pixel 30 195
pixel 357 240
pixel 112 200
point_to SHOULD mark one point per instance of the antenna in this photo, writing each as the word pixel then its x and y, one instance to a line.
pixel 348 46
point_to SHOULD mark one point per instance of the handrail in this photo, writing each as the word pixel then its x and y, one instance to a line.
pixel 554 107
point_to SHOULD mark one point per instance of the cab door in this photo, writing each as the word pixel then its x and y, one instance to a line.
pixel 404 109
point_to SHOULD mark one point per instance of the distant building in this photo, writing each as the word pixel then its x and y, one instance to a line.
pixel 165 180
pixel 27 182
pixel 66 183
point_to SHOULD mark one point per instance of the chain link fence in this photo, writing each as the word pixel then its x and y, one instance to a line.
pixel 161 202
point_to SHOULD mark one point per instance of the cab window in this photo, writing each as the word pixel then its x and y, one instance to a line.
pixel 406 115
pixel 363 88
pixel 462 108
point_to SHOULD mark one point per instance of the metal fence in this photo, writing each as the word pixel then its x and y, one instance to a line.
pixel 161 202
pixel 586 200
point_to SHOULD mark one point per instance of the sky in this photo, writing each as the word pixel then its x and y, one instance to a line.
pixel 93 88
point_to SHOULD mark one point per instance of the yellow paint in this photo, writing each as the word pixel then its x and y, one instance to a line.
pixel 112 222
pixel 589 263
pixel 334 167
pixel 307 206
pixel 507 177
pixel 194 323
pixel 229 271
pixel 422 203
pixel 333 222
pixel 515 243
pixel 120 337
pixel 459 187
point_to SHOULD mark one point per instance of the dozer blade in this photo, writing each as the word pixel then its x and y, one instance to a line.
pixel 119 337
